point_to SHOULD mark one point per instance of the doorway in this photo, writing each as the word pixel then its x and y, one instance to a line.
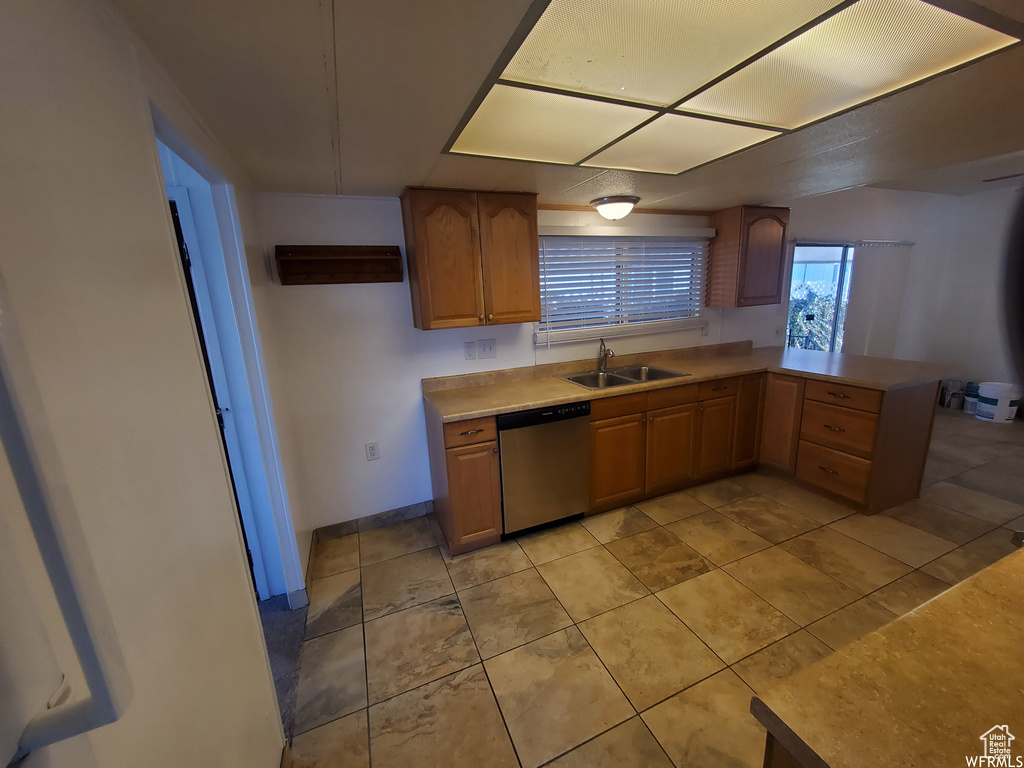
pixel 819 293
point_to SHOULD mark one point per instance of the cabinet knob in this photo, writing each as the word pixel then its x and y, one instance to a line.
pixel 490 317
pixel 494 450
pixel 481 318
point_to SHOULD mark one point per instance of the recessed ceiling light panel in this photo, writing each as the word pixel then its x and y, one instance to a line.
pixel 532 125
pixel 651 51
pixel 863 52
pixel 676 143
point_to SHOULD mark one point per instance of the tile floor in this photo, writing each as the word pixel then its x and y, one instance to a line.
pixel 633 638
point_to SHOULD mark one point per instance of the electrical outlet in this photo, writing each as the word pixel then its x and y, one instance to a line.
pixel 470 347
pixel 487 348
pixel 372 451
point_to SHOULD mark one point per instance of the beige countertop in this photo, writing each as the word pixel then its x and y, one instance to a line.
pixel 464 397
pixel 920 691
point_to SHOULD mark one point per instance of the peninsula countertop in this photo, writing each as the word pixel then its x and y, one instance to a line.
pixel 921 691
pixel 487 394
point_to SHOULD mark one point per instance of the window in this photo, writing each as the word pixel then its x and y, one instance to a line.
pixel 818 296
pixel 617 286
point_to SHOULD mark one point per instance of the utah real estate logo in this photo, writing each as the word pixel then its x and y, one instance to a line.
pixel 998 753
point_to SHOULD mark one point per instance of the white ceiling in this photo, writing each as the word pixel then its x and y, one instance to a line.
pixel 334 97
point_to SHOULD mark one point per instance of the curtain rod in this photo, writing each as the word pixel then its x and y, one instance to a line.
pixel 856 243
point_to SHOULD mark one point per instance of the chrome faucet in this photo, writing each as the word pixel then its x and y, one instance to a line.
pixel 603 353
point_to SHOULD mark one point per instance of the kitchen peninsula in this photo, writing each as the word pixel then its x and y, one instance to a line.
pixel 851 427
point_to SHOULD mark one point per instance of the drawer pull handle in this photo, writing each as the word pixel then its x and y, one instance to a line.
pixel 471 432
pixel 828 471
pixel 834 429
pixel 719 389
pixel 840 395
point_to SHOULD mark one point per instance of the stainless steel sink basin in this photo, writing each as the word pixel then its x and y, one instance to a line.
pixel 647 373
pixel 599 380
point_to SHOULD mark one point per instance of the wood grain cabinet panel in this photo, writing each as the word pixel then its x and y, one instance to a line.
pixel 617 458
pixel 474 489
pixel 473 257
pixel 671 445
pixel 842 429
pixel 780 428
pixel 749 415
pixel 748 256
pixel 833 471
pixel 715 435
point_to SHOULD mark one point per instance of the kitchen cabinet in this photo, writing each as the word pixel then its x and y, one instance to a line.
pixel 780 425
pixel 466 477
pixel 715 422
pixel 747 261
pixel 671 446
pixel 473 257
pixel 617 456
pixel 749 415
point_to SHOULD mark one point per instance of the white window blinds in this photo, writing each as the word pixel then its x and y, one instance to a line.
pixel 610 286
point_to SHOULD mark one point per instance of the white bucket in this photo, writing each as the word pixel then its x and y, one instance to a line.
pixel 997 401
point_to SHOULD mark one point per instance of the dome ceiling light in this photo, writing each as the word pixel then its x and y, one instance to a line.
pixel 615 207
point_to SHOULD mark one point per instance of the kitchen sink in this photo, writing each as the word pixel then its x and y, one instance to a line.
pixel 647 373
pixel 620 377
pixel 599 380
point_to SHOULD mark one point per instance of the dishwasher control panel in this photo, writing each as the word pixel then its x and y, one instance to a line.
pixel 543 415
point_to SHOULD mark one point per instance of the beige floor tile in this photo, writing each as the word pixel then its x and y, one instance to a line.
pixel 760 482
pixel 907 593
pixel 558 542
pixel 416 646
pixel 851 623
pixel 1006 488
pixel 800 591
pixel 856 565
pixel 618 524
pixel 511 611
pixel 1009 464
pixel 728 617
pixel 808 504
pixel 435 528
pixel 591 582
pixel 940 521
pixel 402 582
pixel 629 745
pixel 344 742
pixel 332 678
pixel 671 507
pixel 1016 525
pixel 336 556
pixel 395 540
pixel 971 502
pixel 939 468
pixel 659 559
pixel 335 602
pixel 648 651
pixel 720 492
pixel 967 449
pixel 904 542
pixel 780 660
pixel 486 564
pixel 768 519
pixel 972 557
pixel 710 725
pixel 555 694
pixel 717 537
pixel 453 722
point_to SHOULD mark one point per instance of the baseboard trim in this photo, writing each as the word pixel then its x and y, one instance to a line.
pixel 297 599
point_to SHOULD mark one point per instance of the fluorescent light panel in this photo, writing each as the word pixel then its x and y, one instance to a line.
pixel 863 52
pixel 675 143
pixel 651 51
pixel 532 125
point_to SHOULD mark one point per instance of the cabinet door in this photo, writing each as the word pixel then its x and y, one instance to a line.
pixel 780 431
pixel 715 435
pixel 474 489
pixel 763 256
pixel 671 443
pixel 511 265
pixel 749 412
pixel 443 243
pixel 616 460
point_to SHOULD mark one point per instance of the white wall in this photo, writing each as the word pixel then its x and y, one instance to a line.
pixel 90 260
pixel 354 361
pixel 939 301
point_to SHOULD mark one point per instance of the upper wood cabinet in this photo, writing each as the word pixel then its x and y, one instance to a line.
pixel 748 256
pixel 473 257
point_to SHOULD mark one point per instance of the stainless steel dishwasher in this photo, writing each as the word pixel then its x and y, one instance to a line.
pixel 545 464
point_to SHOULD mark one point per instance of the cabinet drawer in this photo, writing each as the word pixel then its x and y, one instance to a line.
pixel 718 388
pixel 470 431
pixel 833 471
pixel 843 429
pixel 843 394
pixel 623 405
pixel 672 396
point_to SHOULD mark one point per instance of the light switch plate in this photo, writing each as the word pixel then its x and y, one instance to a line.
pixel 487 348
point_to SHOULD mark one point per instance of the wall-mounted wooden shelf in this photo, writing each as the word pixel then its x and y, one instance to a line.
pixel 332 264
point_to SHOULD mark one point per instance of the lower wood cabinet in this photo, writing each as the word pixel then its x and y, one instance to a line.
pixel 780 429
pixel 715 422
pixel 749 412
pixel 617 455
pixel 671 446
